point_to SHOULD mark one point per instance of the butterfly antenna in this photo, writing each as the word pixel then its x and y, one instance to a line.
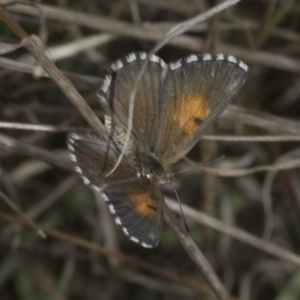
pixel 179 202
pixel 199 164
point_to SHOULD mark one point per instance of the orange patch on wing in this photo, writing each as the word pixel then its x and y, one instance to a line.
pixel 143 203
pixel 191 112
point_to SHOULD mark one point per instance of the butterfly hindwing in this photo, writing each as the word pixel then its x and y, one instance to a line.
pixel 139 211
pixel 93 159
pixel 136 203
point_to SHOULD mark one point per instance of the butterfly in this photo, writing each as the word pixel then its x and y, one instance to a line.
pixel 174 104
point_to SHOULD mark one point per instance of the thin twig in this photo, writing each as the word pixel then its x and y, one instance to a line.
pixel 31 69
pixel 267 188
pixel 196 255
pixel 262 58
pixel 15 146
pixel 236 233
pixel 261 120
pixel 251 138
pixel 120 256
pixel 44 128
pixel 286 165
pixel 71 49
pixel 34 46
pixel 222 138
pixel 39 231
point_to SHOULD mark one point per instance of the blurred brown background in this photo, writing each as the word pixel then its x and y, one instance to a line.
pixel 83 38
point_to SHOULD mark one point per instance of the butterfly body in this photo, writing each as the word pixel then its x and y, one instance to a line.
pixel 146 161
pixel 174 103
pixel 150 166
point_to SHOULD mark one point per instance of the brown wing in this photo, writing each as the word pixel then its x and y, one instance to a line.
pixel 175 103
pixel 136 203
pixel 117 87
pixel 195 91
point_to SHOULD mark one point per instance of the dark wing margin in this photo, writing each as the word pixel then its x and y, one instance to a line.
pixel 136 203
pixel 195 91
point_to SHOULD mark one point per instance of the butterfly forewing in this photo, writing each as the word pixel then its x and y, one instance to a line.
pixel 173 103
pixel 117 88
pixel 194 92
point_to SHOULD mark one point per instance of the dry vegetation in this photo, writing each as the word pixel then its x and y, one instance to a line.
pixel 243 211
